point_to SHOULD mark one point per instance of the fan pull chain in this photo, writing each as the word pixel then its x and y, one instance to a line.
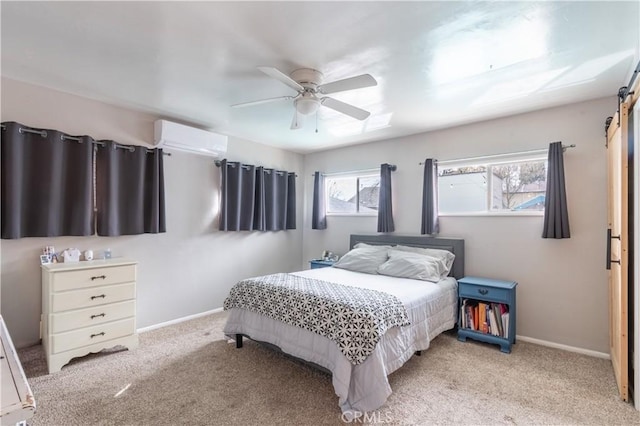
pixel 316 121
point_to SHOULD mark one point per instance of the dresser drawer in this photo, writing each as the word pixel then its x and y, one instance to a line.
pixel 92 316
pixel 83 278
pixel 87 336
pixel 92 297
pixel 474 291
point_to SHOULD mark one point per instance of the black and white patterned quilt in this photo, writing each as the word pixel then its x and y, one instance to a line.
pixel 354 318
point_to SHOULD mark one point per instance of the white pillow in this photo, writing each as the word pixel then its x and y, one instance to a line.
pixel 445 255
pixel 365 245
pixel 362 259
pixel 416 266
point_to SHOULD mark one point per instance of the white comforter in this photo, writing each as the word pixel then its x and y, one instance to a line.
pixel 432 309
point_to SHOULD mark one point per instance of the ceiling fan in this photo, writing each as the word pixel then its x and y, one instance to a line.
pixel 308 83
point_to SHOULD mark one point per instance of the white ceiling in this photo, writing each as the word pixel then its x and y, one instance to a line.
pixel 438 64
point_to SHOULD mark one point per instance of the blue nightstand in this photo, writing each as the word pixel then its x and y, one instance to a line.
pixel 319 263
pixel 491 298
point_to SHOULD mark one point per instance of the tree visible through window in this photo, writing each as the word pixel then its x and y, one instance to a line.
pixel 521 182
pixel 518 185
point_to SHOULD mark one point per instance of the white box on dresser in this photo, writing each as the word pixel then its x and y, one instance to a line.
pixel 86 307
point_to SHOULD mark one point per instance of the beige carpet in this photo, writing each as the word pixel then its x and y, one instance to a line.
pixel 189 374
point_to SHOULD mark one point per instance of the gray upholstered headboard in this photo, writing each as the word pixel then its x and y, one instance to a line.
pixel 454 245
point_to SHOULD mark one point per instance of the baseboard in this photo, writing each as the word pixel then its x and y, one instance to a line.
pixel 568 348
pixel 179 320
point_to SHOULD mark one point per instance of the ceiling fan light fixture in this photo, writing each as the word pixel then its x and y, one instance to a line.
pixel 307 106
pixel 309 85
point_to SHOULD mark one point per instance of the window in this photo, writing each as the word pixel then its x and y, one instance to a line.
pixel 353 193
pixel 513 186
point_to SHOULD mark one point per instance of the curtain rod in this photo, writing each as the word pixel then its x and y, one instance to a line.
pixel 532 151
pixel 43 133
pixel 218 163
pixel 353 172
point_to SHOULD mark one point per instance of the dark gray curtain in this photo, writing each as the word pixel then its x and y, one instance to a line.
pixel 129 190
pixel 275 200
pixel 46 183
pixel 259 222
pixel 385 209
pixel 277 211
pixel 291 201
pixel 318 215
pixel 430 221
pixel 556 215
pixel 238 197
pixel 256 199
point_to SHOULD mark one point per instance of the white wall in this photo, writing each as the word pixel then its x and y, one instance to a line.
pixel 187 270
pixel 562 284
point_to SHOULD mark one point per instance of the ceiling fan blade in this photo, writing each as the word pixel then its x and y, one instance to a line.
pixel 357 82
pixel 344 108
pixel 274 73
pixel 262 101
pixel 298 120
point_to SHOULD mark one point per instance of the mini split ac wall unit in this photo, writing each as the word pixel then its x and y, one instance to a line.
pixel 178 137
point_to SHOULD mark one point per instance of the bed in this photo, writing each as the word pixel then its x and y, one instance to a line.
pixel 361 382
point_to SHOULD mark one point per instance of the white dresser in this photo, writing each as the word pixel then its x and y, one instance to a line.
pixel 86 307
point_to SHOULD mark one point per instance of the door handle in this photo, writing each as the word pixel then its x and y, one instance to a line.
pixel 608 249
pixel 609 238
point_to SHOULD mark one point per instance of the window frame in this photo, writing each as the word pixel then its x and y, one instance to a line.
pixel 375 173
pixel 489 162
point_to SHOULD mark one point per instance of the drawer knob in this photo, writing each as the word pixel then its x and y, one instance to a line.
pixel 99 296
pixel 97 334
pixel 483 291
pixel 98 315
pixel 98 277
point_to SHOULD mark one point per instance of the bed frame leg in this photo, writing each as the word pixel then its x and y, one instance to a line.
pixel 419 353
pixel 238 341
